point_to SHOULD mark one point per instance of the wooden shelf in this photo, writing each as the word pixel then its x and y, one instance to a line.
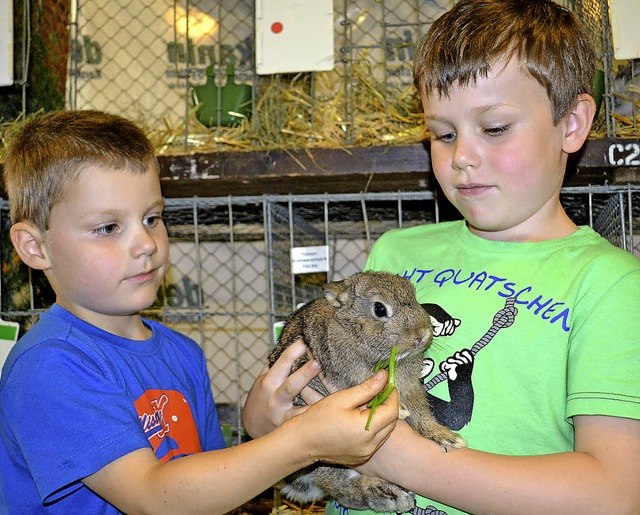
pixel 357 169
pixel 352 170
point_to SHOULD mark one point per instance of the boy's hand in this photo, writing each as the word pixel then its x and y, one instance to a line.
pixel 335 427
pixel 270 400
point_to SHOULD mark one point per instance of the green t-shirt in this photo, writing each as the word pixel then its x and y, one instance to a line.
pixel 572 347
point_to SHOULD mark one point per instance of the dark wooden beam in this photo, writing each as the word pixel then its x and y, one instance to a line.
pixel 371 169
pixel 318 170
pixel 357 169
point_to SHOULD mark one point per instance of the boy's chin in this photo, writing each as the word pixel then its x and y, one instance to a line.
pixel 133 306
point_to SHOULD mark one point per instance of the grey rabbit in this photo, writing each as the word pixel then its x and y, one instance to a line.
pixel 349 331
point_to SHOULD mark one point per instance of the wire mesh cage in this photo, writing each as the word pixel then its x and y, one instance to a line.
pixel 145 59
pixel 231 278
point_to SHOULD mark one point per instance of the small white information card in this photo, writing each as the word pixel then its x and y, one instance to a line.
pixel 306 260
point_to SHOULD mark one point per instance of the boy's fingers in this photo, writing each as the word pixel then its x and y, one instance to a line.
pixel 310 396
pixel 298 381
pixel 362 393
pixel 290 386
pixel 376 383
pixel 385 416
pixel 283 364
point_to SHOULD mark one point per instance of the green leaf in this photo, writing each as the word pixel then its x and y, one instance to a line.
pixel 390 365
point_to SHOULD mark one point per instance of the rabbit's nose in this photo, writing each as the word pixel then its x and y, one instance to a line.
pixel 422 340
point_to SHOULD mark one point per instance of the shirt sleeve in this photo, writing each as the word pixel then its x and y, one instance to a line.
pixel 604 358
pixel 68 419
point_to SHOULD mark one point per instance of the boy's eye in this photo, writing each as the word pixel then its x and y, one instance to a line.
pixel 106 230
pixel 450 136
pixel 153 220
pixel 497 131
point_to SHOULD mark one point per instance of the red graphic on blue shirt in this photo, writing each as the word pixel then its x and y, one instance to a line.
pixel 167 420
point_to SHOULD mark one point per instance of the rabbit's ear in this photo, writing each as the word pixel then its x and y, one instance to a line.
pixel 331 292
pixel 338 294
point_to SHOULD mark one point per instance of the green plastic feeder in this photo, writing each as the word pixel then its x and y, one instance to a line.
pixel 226 105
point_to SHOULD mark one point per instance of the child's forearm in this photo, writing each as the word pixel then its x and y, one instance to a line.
pixel 332 430
pixel 209 482
pixel 602 476
pixel 219 481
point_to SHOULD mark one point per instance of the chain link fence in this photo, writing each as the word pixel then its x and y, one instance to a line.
pixel 145 59
pixel 231 278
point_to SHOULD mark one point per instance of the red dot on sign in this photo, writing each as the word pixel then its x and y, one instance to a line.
pixel 276 27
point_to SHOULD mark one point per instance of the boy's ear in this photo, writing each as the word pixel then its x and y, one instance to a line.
pixel 29 244
pixel 578 124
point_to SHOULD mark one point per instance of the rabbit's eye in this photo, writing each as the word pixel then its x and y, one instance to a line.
pixel 380 310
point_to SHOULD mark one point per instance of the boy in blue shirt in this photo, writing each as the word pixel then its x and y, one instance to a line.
pixel 96 403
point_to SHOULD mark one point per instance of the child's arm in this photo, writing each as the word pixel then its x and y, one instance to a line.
pixel 601 476
pixel 332 430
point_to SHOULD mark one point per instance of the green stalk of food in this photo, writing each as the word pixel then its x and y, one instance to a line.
pixel 382 396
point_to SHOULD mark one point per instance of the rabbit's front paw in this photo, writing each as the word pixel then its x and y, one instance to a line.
pixel 447 438
pixel 383 496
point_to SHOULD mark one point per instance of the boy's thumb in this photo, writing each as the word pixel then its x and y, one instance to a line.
pixel 373 385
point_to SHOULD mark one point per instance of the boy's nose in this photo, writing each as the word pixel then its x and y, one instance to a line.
pixel 464 156
pixel 144 243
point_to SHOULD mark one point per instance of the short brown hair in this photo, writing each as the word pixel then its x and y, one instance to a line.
pixel 50 151
pixel 545 38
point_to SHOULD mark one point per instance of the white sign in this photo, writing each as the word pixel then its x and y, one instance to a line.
pixel 6 43
pixel 294 36
pixel 306 260
pixel 624 16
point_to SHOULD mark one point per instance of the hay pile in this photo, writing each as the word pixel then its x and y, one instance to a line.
pixel 305 111
pixel 625 126
pixel 267 508
pixel 298 113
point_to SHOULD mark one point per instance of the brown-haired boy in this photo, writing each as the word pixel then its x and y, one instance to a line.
pixel 96 403
pixel 550 403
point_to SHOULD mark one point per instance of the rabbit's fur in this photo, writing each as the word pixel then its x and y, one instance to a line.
pixel 349 331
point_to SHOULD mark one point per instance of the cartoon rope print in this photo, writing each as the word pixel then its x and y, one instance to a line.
pixel 503 318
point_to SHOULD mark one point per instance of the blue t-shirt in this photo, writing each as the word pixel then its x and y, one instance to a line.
pixel 73 398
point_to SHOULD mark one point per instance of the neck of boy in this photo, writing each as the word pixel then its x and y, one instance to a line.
pixel 129 326
pixel 528 231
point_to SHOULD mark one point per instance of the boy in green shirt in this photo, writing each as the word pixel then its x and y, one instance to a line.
pixel 537 356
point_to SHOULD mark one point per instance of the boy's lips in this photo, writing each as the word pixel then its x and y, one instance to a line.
pixel 142 277
pixel 473 189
